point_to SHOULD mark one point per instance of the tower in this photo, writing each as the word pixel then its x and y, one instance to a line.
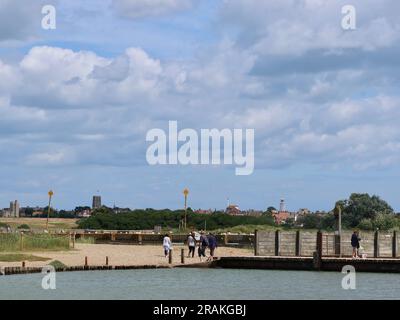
pixel 282 207
pixel 96 203
pixel 14 209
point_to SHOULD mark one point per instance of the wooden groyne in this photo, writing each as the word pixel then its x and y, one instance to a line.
pixel 308 264
pixel 27 270
pixel 304 243
pixel 250 262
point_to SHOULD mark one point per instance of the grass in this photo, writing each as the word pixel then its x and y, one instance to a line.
pixel 57 264
pixel 17 257
pixel 43 242
pixel 246 229
pixel 40 223
pixel 85 240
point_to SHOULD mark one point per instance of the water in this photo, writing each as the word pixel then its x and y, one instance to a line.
pixel 200 284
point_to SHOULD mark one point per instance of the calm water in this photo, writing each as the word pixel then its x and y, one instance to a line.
pixel 200 284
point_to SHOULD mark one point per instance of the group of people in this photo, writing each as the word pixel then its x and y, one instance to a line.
pixel 203 243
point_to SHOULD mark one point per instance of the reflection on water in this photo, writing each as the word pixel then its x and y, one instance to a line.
pixel 200 284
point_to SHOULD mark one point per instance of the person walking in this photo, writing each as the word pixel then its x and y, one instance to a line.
pixel 191 244
pixel 203 244
pixel 355 243
pixel 212 245
pixel 167 245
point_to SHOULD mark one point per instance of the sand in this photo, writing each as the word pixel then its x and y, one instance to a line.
pixel 121 255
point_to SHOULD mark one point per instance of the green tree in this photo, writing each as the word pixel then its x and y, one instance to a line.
pixel 29 212
pixel 363 206
pixel 270 210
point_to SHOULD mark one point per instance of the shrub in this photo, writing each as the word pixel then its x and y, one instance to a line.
pixel 384 221
pixel 365 224
pixel 24 226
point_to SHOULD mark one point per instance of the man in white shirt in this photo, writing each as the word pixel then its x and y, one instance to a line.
pixel 191 244
pixel 167 244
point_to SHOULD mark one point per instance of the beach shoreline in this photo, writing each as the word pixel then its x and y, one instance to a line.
pixel 119 255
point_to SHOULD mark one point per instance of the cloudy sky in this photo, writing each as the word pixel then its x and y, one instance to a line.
pixel 76 102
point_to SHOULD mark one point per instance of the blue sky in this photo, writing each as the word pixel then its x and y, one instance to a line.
pixel 76 102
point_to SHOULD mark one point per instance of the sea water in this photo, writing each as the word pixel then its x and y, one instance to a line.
pixel 201 284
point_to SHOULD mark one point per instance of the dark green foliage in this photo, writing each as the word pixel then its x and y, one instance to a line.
pixel 147 219
pixel 363 206
pixel 24 226
pixel 4 225
pixel 318 221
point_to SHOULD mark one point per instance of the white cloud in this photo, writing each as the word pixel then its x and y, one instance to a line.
pixel 295 27
pixel 51 158
pixel 20 21
pixel 145 8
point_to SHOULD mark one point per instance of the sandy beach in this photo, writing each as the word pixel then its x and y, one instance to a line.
pixel 120 255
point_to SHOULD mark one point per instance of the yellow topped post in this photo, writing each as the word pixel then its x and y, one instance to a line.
pixel 185 193
pixel 50 193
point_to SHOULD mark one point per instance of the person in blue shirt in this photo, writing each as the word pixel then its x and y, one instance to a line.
pixel 212 244
pixel 203 244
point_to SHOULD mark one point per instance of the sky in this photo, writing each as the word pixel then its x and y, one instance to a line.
pixel 76 102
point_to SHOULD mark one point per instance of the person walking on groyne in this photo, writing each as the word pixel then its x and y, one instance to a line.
pixel 355 243
pixel 212 245
pixel 191 244
pixel 203 244
pixel 167 245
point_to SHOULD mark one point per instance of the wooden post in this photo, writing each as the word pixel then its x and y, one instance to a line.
pixel 23 264
pixel 298 243
pixel 170 257
pixel 86 261
pixel 226 239
pixel 394 245
pixel 317 256
pixel 256 243
pixel 277 242
pixel 319 243
pixel 106 261
pixel 316 261
pixel 376 244
pixel 140 238
pixel 338 250
pixel 73 240
pixel 112 236
pixel 21 241
pixel 182 255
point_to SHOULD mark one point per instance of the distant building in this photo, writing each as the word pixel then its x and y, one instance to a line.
pixel 282 215
pixel 303 212
pixel 253 213
pixel 84 213
pixel 5 213
pixel 233 210
pixel 200 211
pixel 14 209
pixel 118 210
pixel 96 204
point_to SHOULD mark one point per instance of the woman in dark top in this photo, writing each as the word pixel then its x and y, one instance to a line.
pixel 355 243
